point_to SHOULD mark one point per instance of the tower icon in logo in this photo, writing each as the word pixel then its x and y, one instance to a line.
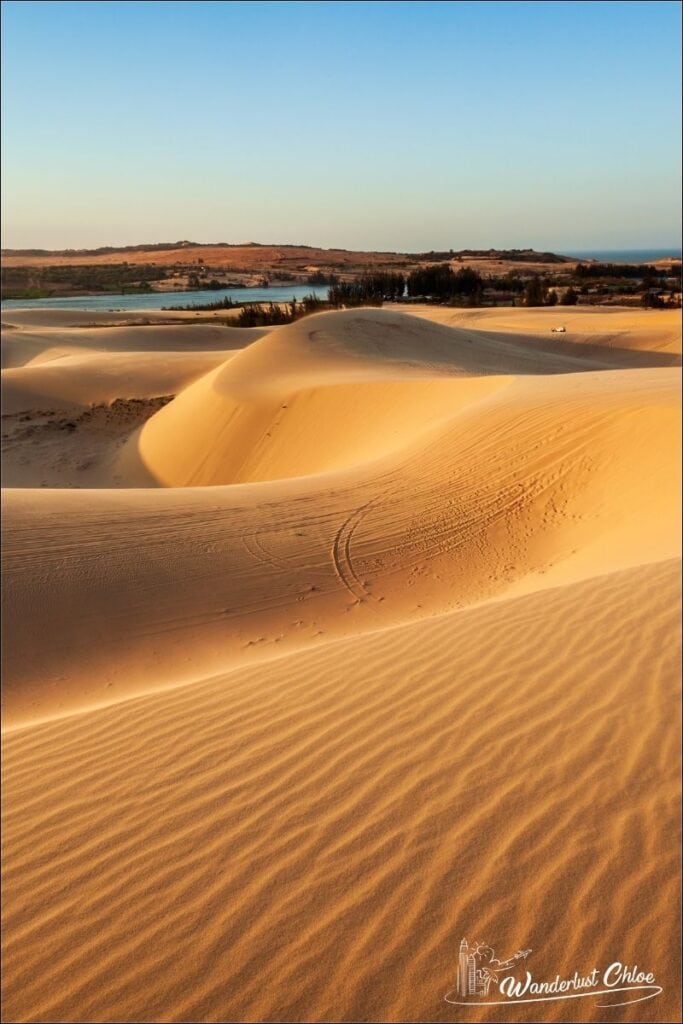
pixel 478 967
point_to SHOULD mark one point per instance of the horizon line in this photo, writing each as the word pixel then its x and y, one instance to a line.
pixel 560 251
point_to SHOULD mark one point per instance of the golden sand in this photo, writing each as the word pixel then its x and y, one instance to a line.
pixel 365 641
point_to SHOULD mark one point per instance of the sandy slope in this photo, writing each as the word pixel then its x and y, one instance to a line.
pixel 17 318
pixel 72 397
pixel 373 647
pixel 597 327
pixel 80 381
pixel 544 478
pixel 309 840
pixel 332 391
pixel 34 346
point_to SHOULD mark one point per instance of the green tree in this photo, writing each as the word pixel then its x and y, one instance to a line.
pixel 535 292
pixel 467 282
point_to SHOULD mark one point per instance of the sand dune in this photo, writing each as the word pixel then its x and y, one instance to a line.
pixel 329 392
pixel 542 480
pixel 81 381
pixel 29 348
pixel 335 643
pixel 70 398
pixel 20 319
pixel 595 328
pixel 310 839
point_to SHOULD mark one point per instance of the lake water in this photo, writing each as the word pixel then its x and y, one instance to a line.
pixel 625 255
pixel 155 300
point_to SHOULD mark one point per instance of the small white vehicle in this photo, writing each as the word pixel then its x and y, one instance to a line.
pixel 559 330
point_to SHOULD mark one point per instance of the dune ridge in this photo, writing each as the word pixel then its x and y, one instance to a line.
pixel 361 637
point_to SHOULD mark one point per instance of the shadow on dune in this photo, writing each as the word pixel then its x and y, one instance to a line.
pixel 592 357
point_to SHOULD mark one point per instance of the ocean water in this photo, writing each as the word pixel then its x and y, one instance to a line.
pixel 155 300
pixel 624 255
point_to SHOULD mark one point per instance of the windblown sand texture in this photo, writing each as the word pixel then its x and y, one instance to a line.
pixel 328 645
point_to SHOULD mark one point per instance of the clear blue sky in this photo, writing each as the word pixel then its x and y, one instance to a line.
pixel 370 125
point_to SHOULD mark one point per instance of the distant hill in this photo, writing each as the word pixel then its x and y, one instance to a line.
pixel 228 249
